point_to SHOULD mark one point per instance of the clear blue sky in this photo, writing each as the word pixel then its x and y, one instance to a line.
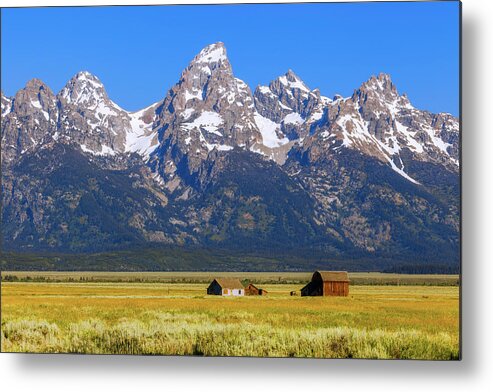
pixel 139 52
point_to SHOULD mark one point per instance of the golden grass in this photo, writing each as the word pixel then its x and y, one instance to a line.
pixel 420 322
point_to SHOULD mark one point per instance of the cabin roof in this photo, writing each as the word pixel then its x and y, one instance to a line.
pixel 229 283
pixel 333 276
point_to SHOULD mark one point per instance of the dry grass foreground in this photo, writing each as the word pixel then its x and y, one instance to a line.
pixel 405 322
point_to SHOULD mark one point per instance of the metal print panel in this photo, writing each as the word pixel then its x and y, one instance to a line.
pixel 269 180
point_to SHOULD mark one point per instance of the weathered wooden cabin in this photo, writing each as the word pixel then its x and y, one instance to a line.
pixel 251 289
pixel 327 283
pixel 226 287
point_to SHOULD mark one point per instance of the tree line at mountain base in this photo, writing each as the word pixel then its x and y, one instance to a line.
pixel 178 259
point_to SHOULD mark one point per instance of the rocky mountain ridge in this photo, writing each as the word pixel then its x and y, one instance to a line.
pixel 190 166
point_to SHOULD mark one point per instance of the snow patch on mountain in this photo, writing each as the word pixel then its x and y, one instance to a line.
pixel 6 105
pixel 212 54
pixel 402 172
pixel 105 150
pixel 36 104
pixel 355 134
pixel 412 143
pixel 293 118
pixel 187 113
pixel 269 130
pixel 437 141
pixel 194 94
pixel 266 90
pixel 209 121
pixel 141 138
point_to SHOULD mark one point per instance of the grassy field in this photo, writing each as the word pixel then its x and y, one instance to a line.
pixel 116 313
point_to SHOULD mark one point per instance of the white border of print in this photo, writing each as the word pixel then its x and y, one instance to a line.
pixel 117 373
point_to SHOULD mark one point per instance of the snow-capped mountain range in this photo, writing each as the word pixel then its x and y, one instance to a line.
pixel 209 113
pixel 211 109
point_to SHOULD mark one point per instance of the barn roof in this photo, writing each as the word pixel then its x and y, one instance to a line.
pixel 334 276
pixel 229 283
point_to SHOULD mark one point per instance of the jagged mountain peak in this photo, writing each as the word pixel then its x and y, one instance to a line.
pixel 85 75
pixel 213 53
pixel 89 118
pixel 383 80
pixel 202 74
pixel 208 61
pixel 28 119
pixel 383 77
pixel 35 96
pixel 36 84
pixel 87 78
pixel 378 98
pixel 291 104
pixel 291 76
pixel 381 123
pixel 290 81
pixel 82 88
pixel 380 85
pixel 208 82
pixel 208 109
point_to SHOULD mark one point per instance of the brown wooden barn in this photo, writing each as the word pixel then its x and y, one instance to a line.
pixel 327 283
pixel 251 289
pixel 226 287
